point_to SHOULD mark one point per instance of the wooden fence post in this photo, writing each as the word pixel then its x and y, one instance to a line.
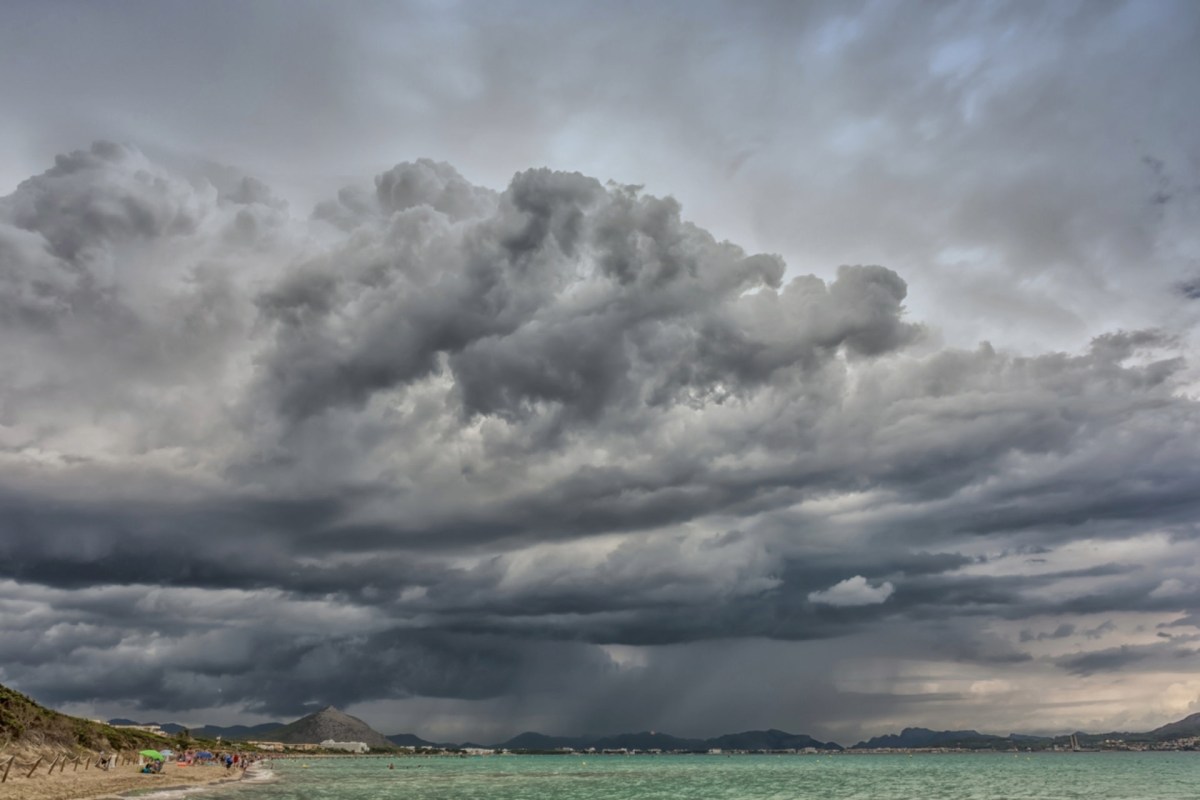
pixel 6 769
pixel 35 766
pixel 52 763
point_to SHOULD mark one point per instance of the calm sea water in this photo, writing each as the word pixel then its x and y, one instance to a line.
pixel 1086 776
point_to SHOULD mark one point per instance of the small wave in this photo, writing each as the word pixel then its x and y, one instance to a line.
pixel 176 793
pixel 259 775
pixel 255 774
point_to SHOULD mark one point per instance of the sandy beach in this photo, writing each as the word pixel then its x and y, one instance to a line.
pixel 95 783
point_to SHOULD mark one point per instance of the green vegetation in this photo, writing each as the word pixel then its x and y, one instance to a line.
pixel 25 722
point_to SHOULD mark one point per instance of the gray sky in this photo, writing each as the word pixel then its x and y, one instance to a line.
pixel 586 368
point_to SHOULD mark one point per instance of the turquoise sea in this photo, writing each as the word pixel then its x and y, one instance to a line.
pixel 990 776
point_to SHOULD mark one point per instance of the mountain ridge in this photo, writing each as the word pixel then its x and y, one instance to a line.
pixel 910 738
pixel 331 723
pixel 771 739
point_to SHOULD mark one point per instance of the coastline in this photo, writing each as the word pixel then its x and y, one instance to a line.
pixel 92 784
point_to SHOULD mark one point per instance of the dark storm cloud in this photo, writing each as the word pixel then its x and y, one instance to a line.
pixel 1061 632
pixel 1190 289
pixel 237 643
pixel 214 545
pixel 459 441
pixel 1173 653
pixel 524 325
pixel 80 204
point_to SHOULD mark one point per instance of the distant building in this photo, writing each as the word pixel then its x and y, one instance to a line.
pixel 274 747
pixel 349 747
pixel 145 728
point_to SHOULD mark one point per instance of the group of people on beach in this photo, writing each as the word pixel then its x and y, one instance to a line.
pixel 229 759
pixel 187 758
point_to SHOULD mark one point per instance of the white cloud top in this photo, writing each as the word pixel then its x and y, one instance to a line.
pixel 853 592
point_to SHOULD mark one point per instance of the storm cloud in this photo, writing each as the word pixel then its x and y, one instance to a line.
pixel 479 423
pixel 485 443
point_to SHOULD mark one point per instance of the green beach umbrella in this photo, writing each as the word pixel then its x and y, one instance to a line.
pixel 157 756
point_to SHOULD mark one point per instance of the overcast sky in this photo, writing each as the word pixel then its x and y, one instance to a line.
pixel 589 368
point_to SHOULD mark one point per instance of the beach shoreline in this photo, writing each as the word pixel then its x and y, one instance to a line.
pixel 95 784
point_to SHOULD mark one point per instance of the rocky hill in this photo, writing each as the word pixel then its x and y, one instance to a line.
pixel 923 737
pixel 1188 726
pixel 329 723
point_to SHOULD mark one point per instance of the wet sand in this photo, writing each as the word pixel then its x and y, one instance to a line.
pixel 94 783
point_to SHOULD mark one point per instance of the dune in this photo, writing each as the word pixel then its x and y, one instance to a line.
pixel 81 784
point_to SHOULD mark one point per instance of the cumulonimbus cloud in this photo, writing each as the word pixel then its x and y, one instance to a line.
pixel 511 420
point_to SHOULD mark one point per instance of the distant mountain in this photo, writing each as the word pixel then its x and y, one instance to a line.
pixel 329 723
pixel 923 737
pixel 409 740
pixel 540 741
pixel 1188 726
pixel 769 740
pixel 235 733
pixel 652 740
pixel 231 733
